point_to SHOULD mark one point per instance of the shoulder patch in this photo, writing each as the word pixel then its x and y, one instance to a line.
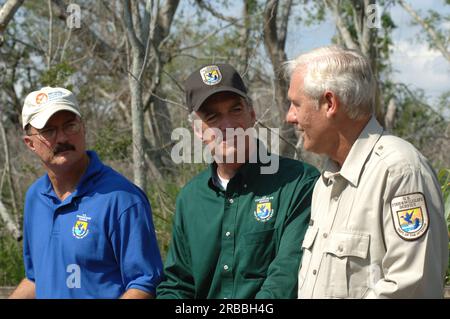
pixel 410 215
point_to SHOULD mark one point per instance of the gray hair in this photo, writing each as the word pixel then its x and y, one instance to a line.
pixel 345 72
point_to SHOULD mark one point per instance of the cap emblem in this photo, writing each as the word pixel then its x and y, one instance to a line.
pixel 41 98
pixel 211 75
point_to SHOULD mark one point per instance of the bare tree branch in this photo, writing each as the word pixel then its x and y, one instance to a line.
pixel 10 225
pixel 389 118
pixel 205 38
pixel 50 34
pixel 277 55
pixel 333 6
pixel 202 4
pixel 85 33
pixel 431 32
pixel 164 20
pixel 132 37
pixel 7 12
pixel 282 31
pixel 8 170
pixel 137 114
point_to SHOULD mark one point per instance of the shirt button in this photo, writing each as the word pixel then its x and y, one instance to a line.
pixel 225 267
pixel 231 201
pixel 314 272
pixel 325 235
pixel 227 233
pixel 340 248
pixel 245 185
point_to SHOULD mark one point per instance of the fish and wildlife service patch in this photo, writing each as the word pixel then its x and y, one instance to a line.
pixel 80 229
pixel 211 75
pixel 264 211
pixel 410 215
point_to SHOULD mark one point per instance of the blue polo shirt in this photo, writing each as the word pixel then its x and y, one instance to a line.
pixel 97 243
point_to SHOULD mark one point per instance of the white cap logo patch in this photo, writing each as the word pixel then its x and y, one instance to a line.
pixel 211 75
pixel 41 98
pixel 410 215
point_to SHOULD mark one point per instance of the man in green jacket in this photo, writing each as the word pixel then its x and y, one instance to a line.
pixel 238 230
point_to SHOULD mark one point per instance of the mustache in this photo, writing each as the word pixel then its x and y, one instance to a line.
pixel 62 148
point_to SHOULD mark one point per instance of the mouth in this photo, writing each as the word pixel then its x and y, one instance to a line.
pixel 61 149
pixel 63 152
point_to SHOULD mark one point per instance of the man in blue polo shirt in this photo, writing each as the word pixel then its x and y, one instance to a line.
pixel 88 231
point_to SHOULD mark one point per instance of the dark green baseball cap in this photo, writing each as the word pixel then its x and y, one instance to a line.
pixel 212 79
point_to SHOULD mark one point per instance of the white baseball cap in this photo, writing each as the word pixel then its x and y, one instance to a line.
pixel 40 105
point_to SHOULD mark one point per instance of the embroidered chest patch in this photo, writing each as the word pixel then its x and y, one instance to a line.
pixel 264 211
pixel 410 215
pixel 81 227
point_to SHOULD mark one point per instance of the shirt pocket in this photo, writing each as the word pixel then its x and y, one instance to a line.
pixel 307 244
pixel 345 265
pixel 257 253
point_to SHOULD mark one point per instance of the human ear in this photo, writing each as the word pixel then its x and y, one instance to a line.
pixel 29 142
pixel 332 103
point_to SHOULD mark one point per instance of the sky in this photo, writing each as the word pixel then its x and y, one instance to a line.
pixel 413 62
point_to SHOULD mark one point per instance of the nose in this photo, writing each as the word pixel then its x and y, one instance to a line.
pixel 291 116
pixel 226 122
pixel 60 135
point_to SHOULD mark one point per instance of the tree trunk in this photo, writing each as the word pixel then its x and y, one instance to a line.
pixel 274 42
pixel 12 189
pixel 137 112
pixel 389 119
pixel 365 39
pixel 7 12
pixel 137 116
pixel 10 225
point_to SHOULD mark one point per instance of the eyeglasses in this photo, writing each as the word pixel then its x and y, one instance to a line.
pixel 49 133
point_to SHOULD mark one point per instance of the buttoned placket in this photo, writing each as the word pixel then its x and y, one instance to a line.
pixel 228 242
pixel 325 219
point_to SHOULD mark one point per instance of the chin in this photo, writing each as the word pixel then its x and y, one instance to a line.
pixel 64 158
pixel 225 153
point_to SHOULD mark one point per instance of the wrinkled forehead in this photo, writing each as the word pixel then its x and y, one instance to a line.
pixel 296 82
pixel 221 101
pixel 61 117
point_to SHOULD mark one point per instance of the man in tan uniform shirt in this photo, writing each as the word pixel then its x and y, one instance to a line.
pixel 377 226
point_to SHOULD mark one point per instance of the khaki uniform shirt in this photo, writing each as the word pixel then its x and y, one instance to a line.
pixel 377 226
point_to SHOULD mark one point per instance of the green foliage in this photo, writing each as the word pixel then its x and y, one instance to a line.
pixel 11 264
pixel 58 75
pixel 444 180
pixel 162 196
pixel 415 120
pixel 110 144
